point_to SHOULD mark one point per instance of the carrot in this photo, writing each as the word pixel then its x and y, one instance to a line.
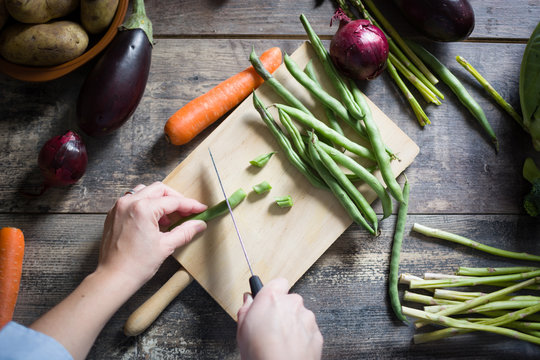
pixel 11 259
pixel 201 112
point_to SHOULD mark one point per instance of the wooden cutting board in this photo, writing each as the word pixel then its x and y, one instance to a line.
pixel 280 242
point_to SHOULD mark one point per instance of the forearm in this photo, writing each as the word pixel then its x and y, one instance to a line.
pixel 78 319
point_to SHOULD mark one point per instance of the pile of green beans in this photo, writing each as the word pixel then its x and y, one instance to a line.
pixel 320 158
pixel 335 186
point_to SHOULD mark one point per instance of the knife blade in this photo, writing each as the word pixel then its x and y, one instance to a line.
pixel 255 282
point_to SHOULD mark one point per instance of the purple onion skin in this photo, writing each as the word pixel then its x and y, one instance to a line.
pixel 444 20
pixel 359 49
pixel 62 160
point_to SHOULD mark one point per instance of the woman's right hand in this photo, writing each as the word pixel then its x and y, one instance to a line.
pixel 276 325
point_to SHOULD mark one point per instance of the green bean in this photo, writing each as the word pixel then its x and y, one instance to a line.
pixel 275 84
pixel 313 123
pixel 396 250
pixel 457 88
pixel 378 146
pixel 355 195
pixel 262 187
pixel 364 175
pixel 330 115
pixel 326 99
pixel 217 210
pixel 286 145
pixel 261 160
pixel 284 201
pixel 294 135
pixel 336 189
pixel 331 71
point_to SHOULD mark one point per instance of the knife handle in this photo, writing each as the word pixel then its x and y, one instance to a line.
pixel 145 315
pixel 255 284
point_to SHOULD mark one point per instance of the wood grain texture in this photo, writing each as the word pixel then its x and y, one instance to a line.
pixel 458 183
pixel 346 289
pixel 452 148
pixel 494 19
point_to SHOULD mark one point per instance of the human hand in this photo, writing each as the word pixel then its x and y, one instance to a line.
pixel 133 246
pixel 276 325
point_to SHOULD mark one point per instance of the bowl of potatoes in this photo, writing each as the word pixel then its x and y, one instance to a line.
pixel 42 40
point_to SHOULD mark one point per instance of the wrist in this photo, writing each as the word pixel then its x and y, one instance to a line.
pixel 121 284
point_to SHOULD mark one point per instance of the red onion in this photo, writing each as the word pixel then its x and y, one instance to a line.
pixel 62 160
pixel 358 49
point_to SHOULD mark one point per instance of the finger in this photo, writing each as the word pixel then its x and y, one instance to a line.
pixel 168 204
pixel 242 312
pixel 156 190
pixel 182 234
pixel 278 286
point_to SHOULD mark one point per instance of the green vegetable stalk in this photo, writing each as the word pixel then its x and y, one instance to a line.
pixel 529 87
pixel 216 210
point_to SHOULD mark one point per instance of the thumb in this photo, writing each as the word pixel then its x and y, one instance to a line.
pixel 248 300
pixel 184 233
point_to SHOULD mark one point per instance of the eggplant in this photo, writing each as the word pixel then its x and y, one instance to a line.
pixel 114 87
pixel 444 20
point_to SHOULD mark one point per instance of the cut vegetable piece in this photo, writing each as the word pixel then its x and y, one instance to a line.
pixel 284 201
pixel 262 187
pixel 261 160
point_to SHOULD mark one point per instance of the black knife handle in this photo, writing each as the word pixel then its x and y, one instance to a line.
pixel 255 284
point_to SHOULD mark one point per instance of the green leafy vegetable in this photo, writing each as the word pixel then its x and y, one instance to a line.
pixel 529 87
pixel 261 160
pixel 532 200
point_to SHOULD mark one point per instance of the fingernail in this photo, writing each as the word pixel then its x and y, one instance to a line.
pixel 247 297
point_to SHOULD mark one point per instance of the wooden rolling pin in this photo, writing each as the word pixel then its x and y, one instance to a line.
pixel 145 315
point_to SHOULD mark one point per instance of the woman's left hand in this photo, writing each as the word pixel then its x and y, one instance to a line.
pixel 133 246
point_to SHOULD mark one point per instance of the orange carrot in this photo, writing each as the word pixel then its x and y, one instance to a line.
pixel 201 112
pixel 11 259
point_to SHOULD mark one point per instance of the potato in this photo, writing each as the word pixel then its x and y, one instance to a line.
pixel 43 44
pixel 96 15
pixel 39 11
pixel 3 14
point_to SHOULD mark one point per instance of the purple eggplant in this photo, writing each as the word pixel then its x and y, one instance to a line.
pixel 444 20
pixel 115 85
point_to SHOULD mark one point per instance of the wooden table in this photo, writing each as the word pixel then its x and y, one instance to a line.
pixel 458 182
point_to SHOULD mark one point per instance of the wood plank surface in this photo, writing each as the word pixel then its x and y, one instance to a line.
pixel 346 289
pixel 451 148
pixel 494 19
pixel 458 182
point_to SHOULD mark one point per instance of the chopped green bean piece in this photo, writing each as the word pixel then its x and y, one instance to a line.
pixel 261 160
pixel 284 201
pixel 262 187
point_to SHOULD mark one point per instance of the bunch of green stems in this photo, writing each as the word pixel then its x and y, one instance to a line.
pixel 320 149
pixel 510 309
pixel 401 59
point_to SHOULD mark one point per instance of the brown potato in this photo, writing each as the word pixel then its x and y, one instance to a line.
pixel 43 44
pixel 39 11
pixel 96 15
pixel 3 14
